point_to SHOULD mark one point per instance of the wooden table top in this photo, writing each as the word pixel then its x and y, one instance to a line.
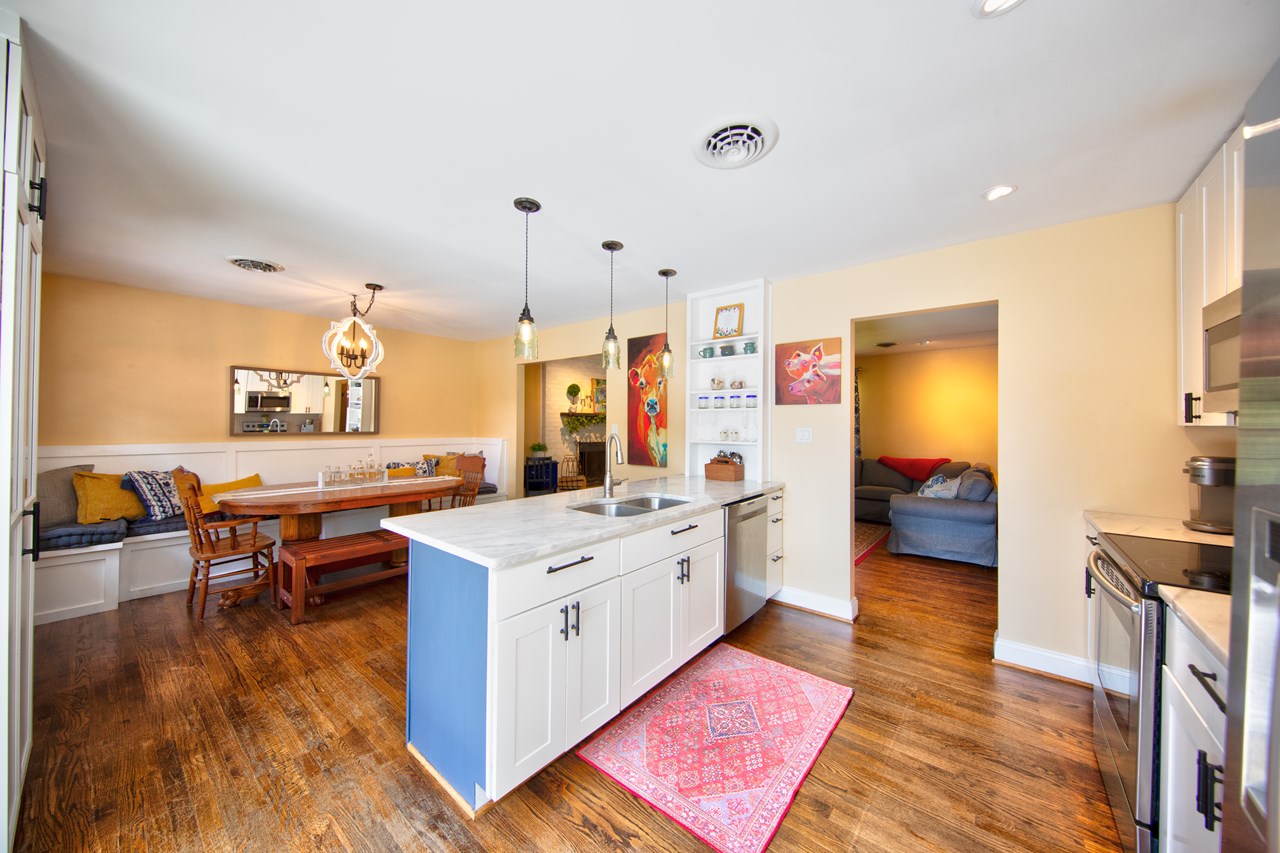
pixel 299 498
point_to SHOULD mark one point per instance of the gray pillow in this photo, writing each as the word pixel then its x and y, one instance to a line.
pixel 974 486
pixel 57 495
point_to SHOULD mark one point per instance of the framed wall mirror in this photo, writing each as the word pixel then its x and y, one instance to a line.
pixel 268 401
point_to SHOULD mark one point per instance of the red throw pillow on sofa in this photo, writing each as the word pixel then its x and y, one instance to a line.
pixel 916 469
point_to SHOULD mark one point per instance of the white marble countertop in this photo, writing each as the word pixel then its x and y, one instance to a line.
pixel 510 533
pixel 1207 614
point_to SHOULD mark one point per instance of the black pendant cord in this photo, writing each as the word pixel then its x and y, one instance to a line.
pixel 666 309
pixel 611 290
pixel 526 263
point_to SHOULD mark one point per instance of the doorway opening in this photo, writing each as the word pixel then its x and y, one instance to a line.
pixel 564 410
pixel 924 436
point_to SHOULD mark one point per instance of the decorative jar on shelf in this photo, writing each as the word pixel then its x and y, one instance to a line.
pixel 704 401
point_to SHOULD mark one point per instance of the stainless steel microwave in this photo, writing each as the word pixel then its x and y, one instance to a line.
pixel 1222 353
pixel 267 401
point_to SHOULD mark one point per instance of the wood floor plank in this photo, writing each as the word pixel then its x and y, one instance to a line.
pixel 154 731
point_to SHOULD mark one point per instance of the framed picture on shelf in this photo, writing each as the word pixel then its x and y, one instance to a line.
pixel 728 321
pixel 598 395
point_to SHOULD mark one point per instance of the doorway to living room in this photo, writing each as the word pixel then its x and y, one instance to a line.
pixel 924 436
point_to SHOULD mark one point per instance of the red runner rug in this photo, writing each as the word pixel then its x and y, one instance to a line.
pixel 723 747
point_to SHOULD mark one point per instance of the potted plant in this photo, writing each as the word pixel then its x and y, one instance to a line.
pixel 538 449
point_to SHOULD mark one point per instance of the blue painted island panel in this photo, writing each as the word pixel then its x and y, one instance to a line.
pixel 448 664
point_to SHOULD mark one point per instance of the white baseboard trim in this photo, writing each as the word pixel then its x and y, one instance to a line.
pixel 1043 660
pixel 839 608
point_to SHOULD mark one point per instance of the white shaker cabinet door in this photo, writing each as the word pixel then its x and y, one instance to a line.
pixel 650 626
pixel 1187 743
pixel 703 593
pixel 592 659
pixel 530 674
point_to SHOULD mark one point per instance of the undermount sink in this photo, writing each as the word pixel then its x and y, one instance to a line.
pixel 638 505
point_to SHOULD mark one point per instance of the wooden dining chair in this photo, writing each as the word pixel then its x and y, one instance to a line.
pixel 472 470
pixel 218 543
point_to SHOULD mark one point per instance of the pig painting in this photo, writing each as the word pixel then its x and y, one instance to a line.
pixel 807 372
pixel 646 403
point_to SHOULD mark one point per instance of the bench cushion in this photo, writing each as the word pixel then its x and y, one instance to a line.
pixel 82 535
pixel 148 526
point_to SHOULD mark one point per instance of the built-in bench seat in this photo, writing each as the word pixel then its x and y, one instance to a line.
pixel 302 564
pixel 92 578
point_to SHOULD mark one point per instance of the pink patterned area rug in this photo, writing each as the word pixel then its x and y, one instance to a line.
pixel 723 747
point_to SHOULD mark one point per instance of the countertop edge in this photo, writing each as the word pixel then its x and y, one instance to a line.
pixel 1207 614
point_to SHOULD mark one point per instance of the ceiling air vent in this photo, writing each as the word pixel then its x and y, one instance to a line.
pixel 254 265
pixel 732 143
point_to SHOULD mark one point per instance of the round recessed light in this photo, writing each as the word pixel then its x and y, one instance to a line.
pixel 998 192
pixel 253 264
pixel 993 8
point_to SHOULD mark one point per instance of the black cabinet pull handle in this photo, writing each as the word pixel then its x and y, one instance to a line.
pixel 1093 540
pixel 564 611
pixel 1189 407
pixel 1204 678
pixel 775 498
pixel 684 530
pixel 576 620
pixel 1207 781
pixel 34 550
pixel 776 519
pixel 578 562
pixel 688 564
pixel 41 186
pixel 776 557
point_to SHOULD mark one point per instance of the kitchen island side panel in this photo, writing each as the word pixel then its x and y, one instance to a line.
pixel 447 659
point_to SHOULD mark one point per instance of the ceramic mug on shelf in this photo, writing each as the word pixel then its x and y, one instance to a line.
pixel 726 349
pixel 707 352
pixel 749 347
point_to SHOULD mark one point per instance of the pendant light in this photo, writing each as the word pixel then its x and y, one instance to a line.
pixel 351 345
pixel 526 339
pixel 611 352
pixel 666 359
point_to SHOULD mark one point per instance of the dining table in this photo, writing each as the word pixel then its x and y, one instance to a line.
pixel 300 507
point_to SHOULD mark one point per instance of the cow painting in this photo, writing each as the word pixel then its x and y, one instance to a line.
pixel 807 372
pixel 646 402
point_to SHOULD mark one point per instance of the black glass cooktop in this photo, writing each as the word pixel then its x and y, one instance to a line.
pixel 1164 562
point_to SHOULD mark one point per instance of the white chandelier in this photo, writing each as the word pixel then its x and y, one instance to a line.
pixel 351 345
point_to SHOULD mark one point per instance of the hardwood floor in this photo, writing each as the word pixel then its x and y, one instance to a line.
pixel 154 732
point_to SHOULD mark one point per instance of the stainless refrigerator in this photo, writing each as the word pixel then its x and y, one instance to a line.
pixel 1250 794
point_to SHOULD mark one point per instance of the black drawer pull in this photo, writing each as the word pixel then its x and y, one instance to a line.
pixel 777 519
pixel 1204 678
pixel 1093 540
pixel 577 562
pixel 684 530
pixel 776 557
pixel 776 498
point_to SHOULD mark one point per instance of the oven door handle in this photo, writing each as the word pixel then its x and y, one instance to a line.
pixel 1107 586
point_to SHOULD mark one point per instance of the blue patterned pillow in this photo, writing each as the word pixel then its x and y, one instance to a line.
pixel 156 491
pixel 938 486
pixel 424 468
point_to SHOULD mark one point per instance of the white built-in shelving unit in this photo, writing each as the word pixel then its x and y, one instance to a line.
pixel 741 429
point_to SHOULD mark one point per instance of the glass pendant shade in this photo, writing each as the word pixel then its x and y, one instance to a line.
pixel 352 347
pixel 611 352
pixel 526 339
pixel 666 361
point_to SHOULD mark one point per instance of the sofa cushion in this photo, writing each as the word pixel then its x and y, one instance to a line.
pixel 939 486
pixel 877 493
pixel 425 468
pixel 57 495
pixel 974 486
pixel 100 498
pixel 875 473
pixel 82 535
pixel 968 512
pixel 156 491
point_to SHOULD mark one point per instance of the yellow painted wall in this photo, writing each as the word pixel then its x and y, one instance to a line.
pixel 123 365
pixel 499 416
pixel 930 404
pixel 1086 412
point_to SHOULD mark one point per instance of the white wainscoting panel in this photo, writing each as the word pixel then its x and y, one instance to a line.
pixel 85 581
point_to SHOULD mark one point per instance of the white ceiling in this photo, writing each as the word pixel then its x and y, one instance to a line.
pixel 385 141
pixel 949 328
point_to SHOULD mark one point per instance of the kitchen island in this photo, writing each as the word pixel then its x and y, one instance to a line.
pixel 533 622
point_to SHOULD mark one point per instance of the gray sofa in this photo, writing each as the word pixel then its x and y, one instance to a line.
pixel 875 483
pixel 960 528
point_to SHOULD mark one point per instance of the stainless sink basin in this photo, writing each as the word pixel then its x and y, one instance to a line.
pixel 638 505
pixel 612 509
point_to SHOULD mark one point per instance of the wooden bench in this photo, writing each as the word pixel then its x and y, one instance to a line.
pixel 306 561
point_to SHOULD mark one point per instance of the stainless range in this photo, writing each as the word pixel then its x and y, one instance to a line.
pixel 1122 581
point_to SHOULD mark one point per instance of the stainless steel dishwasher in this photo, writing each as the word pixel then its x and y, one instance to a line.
pixel 744 594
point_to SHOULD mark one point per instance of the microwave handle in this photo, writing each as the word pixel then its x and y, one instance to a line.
pixel 1107 586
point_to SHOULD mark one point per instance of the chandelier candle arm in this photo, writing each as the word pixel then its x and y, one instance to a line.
pixel 352 345
pixel 611 351
pixel 526 337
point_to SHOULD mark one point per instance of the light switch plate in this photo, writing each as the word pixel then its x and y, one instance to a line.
pixel 804 435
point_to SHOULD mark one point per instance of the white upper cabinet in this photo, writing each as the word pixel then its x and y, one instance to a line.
pixel 1209 223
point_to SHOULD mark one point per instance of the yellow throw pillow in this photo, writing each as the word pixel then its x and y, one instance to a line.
pixel 406 471
pixel 208 490
pixel 100 498
pixel 446 466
